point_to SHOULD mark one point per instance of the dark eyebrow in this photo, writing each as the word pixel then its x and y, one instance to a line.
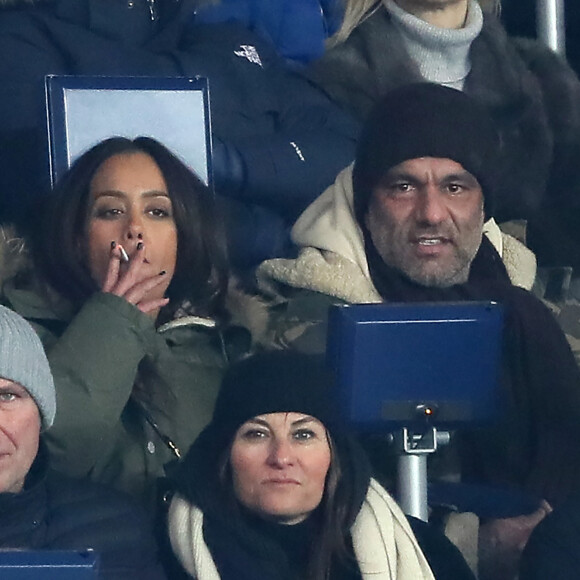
pixel 304 421
pixel 259 422
pixel 392 176
pixel 298 422
pixel 122 195
pixel 14 387
pixel 461 176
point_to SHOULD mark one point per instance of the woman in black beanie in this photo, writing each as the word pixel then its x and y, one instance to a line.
pixel 275 487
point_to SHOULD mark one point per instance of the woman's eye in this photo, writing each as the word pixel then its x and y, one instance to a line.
pixel 251 434
pixel 159 212
pixel 107 212
pixel 303 435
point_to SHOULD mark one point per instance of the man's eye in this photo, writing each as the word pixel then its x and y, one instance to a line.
pixel 399 188
pixel 7 397
pixel 455 188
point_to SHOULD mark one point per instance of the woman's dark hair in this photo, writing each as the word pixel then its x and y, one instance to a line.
pixel 201 272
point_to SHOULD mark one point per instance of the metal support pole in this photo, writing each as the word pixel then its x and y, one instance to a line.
pixel 551 24
pixel 412 485
pixel 413 447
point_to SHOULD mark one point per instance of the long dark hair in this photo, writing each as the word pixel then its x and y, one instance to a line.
pixel 201 272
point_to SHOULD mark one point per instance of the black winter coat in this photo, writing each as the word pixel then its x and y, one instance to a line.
pixel 54 512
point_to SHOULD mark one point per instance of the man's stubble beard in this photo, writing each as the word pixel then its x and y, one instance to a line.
pixel 397 252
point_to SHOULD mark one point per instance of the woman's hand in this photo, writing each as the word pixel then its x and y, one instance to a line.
pixel 130 280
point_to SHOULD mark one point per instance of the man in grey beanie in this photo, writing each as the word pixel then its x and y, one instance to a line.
pixel 40 509
pixel 27 398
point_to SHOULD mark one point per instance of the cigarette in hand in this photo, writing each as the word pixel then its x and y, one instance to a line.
pixel 124 255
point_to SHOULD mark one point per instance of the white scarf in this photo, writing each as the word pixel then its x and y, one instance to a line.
pixel 383 542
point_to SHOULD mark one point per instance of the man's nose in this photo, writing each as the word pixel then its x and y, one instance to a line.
pixel 431 207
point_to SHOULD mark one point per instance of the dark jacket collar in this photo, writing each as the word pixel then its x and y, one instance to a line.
pixel 22 515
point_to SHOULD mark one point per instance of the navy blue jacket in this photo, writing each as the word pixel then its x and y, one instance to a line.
pixel 283 140
pixel 54 512
pixel 298 28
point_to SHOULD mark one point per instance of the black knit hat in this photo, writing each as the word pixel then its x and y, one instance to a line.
pixel 279 381
pixel 271 382
pixel 425 120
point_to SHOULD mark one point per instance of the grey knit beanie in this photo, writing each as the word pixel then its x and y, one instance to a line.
pixel 22 360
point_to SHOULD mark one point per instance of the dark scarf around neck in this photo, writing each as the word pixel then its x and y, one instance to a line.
pixel 535 445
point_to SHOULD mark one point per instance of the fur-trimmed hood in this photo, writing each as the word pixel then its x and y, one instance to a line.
pixel 14 255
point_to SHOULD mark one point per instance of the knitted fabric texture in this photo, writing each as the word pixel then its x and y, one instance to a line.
pixel 425 120
pixel 441 54
pixel 275 382
pixel 22 360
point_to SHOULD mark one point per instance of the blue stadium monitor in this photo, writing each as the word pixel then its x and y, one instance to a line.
pixel 83 110
pixel 411 365
pixel 48 565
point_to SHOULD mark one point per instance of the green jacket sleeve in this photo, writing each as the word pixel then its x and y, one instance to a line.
pixel 94 364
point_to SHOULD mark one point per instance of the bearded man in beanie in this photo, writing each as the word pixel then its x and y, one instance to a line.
pixel 408 224
pixel 42 510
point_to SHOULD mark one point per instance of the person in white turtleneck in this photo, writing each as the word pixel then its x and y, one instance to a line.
pixel 532 94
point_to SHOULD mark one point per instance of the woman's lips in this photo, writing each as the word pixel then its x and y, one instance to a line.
pixel 281 481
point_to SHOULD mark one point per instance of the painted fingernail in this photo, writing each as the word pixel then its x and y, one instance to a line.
pixel 113 245
pixel 140 236
pixel 124 256
pixel 162 272
pixel 140 246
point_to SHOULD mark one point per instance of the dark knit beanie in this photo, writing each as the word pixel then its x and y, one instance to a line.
pixel 279 381
pixel 425 120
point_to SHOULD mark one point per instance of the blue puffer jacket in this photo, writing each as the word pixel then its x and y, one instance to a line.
pixel 298 28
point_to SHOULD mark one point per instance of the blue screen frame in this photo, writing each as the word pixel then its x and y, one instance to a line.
pixel 83 110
